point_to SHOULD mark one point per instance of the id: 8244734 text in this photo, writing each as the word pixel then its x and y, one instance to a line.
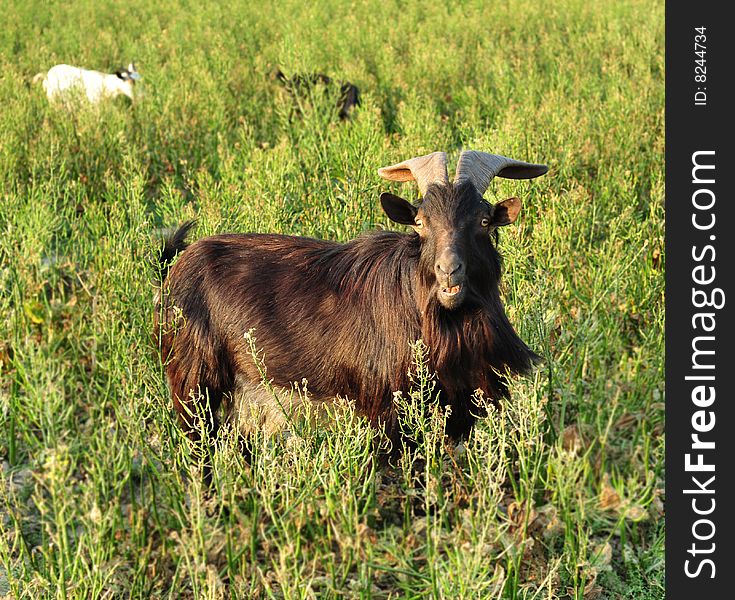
pixel 700 66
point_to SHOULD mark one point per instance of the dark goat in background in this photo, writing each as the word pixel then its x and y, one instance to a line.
pixel 344 315
pixel 302 83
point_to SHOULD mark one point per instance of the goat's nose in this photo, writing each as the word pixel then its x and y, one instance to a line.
pixel 449 265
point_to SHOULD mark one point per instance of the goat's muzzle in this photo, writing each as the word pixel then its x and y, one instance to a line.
pixel 450 276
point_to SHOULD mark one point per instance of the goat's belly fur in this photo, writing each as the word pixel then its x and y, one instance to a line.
pixel 252 407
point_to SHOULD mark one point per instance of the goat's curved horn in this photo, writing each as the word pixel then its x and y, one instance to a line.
pixel 480 168
pixel 428 169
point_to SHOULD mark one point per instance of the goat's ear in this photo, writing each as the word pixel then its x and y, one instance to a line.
pixel 506 212
pixel 398 210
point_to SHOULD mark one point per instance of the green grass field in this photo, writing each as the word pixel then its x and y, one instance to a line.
pixel 559 495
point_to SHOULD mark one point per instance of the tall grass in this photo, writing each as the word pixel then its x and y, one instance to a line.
pixel 558 495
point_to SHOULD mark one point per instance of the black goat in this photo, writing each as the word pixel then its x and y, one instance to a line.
pixel 343 315
pixel 301 84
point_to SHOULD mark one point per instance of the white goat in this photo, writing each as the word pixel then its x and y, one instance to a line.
pixel 63 80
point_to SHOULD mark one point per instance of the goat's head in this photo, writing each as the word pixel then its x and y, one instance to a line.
pixel 129 73
pixel 453 221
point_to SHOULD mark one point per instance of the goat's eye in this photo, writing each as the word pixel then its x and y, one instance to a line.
pixel 419 223
pixel 485 222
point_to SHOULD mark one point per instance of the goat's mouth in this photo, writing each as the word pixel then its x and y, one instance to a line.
pixel 451 296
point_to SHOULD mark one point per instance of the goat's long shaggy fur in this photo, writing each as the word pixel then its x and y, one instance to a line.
pixel 342 315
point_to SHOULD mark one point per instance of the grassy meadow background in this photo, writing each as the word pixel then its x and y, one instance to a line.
pixel 559 495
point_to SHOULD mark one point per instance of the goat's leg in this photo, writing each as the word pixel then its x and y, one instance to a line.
pixel 197 401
